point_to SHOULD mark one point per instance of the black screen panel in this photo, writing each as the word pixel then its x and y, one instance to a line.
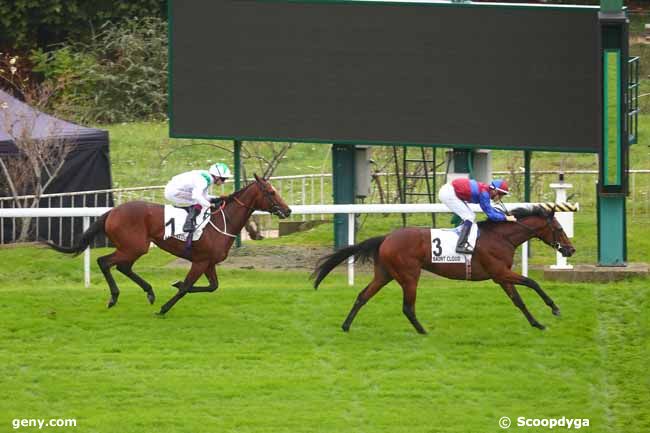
pixel 381 72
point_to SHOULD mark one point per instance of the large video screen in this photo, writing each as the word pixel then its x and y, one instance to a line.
pixel 386 72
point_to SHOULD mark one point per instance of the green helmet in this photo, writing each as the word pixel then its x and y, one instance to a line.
pixel 220 170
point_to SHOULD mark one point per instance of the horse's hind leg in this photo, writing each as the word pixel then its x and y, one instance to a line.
pixel 105 263
pixel 127 269
pixel 380 279
pixel 409 282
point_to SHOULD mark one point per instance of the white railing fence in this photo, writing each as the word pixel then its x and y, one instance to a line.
pixel 350 210
pixel 316 189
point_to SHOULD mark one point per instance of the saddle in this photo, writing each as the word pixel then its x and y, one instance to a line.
pixel 175 218
pixel 443 245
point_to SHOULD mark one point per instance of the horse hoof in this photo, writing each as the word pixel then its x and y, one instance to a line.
pixel 539 326
pixel 422 332
pixel 111 303
pixel 556 312
pixel 151 298
pixel 345 328
pixel 161 313
pixel 178 285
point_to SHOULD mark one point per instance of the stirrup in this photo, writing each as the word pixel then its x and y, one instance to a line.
pixel 464 249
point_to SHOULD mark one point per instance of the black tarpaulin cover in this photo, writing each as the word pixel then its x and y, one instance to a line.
pixel 87 166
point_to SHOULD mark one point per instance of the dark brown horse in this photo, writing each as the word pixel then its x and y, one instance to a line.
pixel 403 254
pixel 133 225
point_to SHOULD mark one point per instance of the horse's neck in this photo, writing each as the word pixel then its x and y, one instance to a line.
pixel 523 231
pixel 236 214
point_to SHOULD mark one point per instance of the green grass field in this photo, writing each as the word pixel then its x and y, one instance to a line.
pixel 265 353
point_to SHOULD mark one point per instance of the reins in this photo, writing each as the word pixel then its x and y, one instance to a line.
pixel 532 232
pixel 225 226
pixel 234 198
pixel 507 212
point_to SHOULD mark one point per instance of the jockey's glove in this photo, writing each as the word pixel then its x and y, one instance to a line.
pixel 217 201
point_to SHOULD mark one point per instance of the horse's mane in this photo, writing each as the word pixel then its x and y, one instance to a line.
pixel 231 197
pixel 523 212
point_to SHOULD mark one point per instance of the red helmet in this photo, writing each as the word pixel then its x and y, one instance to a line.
pixel 500 186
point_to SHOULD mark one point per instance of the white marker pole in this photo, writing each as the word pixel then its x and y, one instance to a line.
pixel 565 219
pixel 351 242
pixel 86 224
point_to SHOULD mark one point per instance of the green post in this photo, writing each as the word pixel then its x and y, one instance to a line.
pixel 237 175
pixel 527 157
pixel 611 231
pixel 343 175
pixel 613 156
pixel 611 5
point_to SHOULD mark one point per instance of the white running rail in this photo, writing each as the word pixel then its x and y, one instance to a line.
pixel 350 209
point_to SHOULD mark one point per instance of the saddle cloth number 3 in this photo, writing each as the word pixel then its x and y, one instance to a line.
pixel 443 246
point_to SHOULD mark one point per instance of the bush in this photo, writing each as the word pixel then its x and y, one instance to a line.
pixel 26 25
pixel 119 76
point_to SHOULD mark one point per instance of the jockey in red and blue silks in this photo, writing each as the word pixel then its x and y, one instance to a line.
pixel 461 191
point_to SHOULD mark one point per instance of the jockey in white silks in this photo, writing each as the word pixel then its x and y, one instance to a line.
pixel 190 190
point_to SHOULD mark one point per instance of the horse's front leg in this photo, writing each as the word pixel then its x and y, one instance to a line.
pixel 516 299
pixel 529 282
pixel 211 275
pixel 195 272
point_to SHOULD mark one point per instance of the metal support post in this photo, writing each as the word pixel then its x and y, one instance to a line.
pixel 343 179
pixel 237 174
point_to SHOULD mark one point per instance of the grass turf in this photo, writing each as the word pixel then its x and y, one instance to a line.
pixel 265 353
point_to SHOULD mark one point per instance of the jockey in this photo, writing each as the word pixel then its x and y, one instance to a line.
pixel 190 190
pixel 459 192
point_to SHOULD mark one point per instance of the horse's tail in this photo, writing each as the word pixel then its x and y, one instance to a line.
pixel 86 238
pixel 364 251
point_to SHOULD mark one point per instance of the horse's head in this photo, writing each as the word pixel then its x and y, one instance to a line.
pixel 553 234
pixel 542 224
pixel 269 200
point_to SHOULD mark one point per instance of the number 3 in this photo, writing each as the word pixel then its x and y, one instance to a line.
pixel 438 250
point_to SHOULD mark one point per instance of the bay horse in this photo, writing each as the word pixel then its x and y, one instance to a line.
pixel 402 254
pixel 133 225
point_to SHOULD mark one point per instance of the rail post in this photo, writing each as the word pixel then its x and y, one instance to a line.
pixel 351 242
pixel 86 224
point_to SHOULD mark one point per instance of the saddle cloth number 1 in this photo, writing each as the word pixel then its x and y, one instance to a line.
pixel 175 219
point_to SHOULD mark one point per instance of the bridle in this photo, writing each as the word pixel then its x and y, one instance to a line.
pixel 534 232
pixel 275 209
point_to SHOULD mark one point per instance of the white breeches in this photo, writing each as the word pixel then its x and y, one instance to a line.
pixel 179 197
pixel 447 195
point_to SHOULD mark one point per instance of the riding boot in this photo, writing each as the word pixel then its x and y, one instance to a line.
pixel 192 213
pixel 462 246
